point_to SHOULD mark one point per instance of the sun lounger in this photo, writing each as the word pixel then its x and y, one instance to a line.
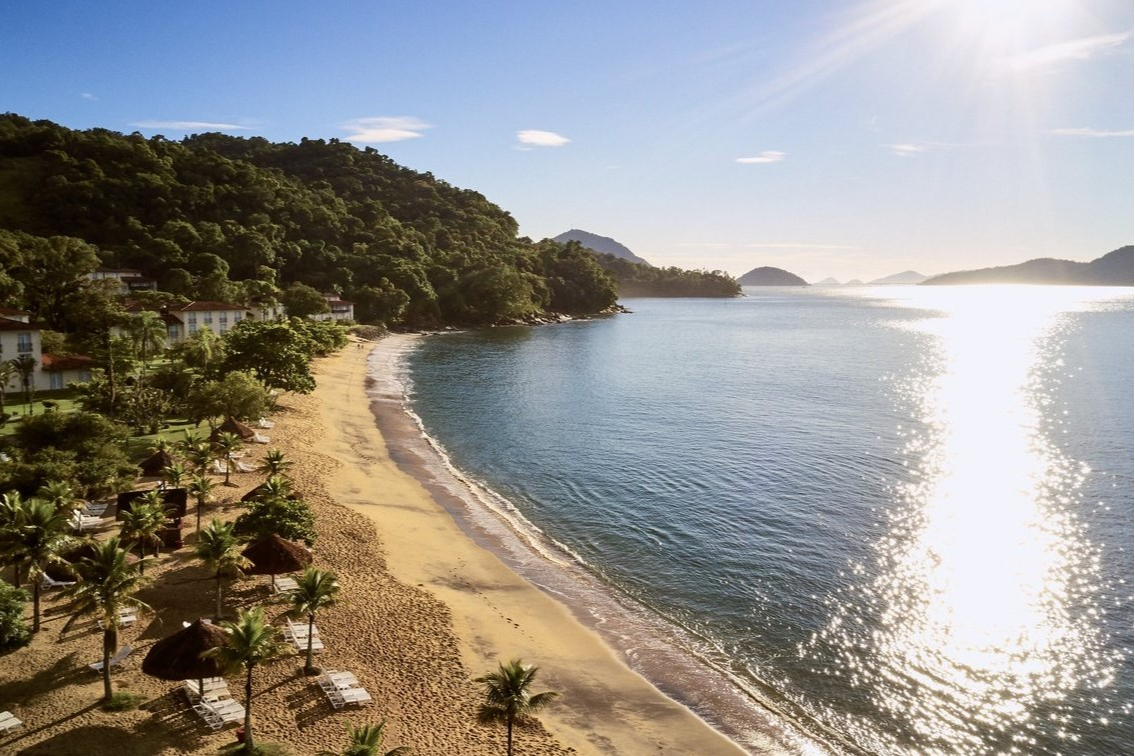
pixel 214 687
pixel 219 467
pixel 115 660
pixel 265 424
pixel 339 697
pixel 8 721
pixel 50 582
pixel 125 617
pixel 81 521
pixel 244 467
pixel 261 439
pixel 95 509
pixel 285 585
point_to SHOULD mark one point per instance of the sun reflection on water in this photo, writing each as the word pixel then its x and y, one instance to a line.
pixel 983 591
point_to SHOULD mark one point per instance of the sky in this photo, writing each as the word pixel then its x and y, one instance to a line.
pixel 850 140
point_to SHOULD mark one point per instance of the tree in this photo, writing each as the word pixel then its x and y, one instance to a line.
pixel 142 523
pixel 36 539
pixel 60 494
pixel 226 444
pixel 252 641
pixel 508 697
pixel 148 333
pixel 25 366
pixel 7 373
pixel 174 474
pixel 200 489
pixel 302 301
pixel 200 454
pixel 238 395
pixel 317 589
pixel 274 463
pixel 288 518
pixel 366 740
pixel 274 352
pixel 107 585
pixel 219 548
pixel 202 351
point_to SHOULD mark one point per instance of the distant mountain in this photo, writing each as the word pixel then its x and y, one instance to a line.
pixel 601 244
pixel 1113 269
pixel 906 277
pixel 854 282
pixel 827 282
pixel 771 277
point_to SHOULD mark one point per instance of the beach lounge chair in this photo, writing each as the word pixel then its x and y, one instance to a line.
pixel 95 508
pixel 265 424
pixel 244 467
pixel 219 467
pixel 214 687
pixel 261 439
pixel 81 521
pixel 115 660
pixel 285 585
pixel 50 582
pixel 125 617
pixel 8 721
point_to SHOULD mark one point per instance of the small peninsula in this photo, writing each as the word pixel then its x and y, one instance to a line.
pixel 1113 269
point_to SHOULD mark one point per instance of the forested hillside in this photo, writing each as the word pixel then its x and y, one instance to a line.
pixel 223 218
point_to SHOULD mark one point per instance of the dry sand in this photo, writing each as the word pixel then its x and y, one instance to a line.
pixel 424 610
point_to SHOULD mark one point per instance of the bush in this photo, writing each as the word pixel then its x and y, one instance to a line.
pixel 122 700
pixel 14 631
pixel 288 518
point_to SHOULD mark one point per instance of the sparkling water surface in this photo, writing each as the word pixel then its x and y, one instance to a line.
pixel 904 513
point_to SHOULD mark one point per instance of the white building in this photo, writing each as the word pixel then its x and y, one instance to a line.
pixel 20 338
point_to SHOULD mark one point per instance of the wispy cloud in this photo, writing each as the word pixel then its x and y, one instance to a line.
pixel 908 149
pixel 87 96
pixel 1091 133
pixel 188 126
pixel 530 138
pixel 385 129
pixel 1075 49
pixel 768 156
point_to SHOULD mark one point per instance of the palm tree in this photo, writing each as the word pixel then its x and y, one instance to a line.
pixel 508 698
pixel 366 740
pixel 274 463
pixel 35 540
pixel 276 487
pixel 11 504
pixel 25 367
pixel 142 523
pixel 149 334
pixel 7 373
pixel 316 590
pixel 252 641
pixel 174 474
pixel 219 548
pixel 225 445
pixel 200 487
pixel 107 584
pixel 200 454
pixel 60 494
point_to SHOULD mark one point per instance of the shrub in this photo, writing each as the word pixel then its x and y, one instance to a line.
pixel 14 631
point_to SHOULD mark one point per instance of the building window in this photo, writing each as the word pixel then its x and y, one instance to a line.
pixel 193 328
pixel 236 317
pixel 193 319
pixel 23 343
pixel 224 319
pixel 208 318
pixel 56 380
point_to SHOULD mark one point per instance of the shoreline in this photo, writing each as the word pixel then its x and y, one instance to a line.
pixel 640 642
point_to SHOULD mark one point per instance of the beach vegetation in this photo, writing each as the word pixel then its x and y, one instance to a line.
pixel 289 518
pixel 35 539
pixel 83 449
pixel 303 301
pixel 252 641
pixel 226 445
pixel 123 700
pixel 219 548
pixel 107 585
pixel 367 740
pixel 277 352
pixel 142 523
pixel 200 488
pixel 509 699
pixel 275 462
pixel 238 395
pixel 14 630
pixel 316 590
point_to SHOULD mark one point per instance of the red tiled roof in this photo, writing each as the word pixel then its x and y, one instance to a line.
pixel 69 362
pixel 8 312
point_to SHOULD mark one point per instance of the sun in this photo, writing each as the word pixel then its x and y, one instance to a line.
pixel 1006 26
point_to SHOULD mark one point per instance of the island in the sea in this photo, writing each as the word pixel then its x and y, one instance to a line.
pixel 766 276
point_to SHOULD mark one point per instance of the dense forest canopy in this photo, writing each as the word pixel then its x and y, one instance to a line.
pixel 225 218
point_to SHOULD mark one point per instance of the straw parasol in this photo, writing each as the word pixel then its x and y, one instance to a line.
pixel 153 465
pixel 233 426
pixel 273 555
pixel 178 656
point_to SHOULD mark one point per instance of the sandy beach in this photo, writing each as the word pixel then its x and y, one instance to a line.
pixel 424 609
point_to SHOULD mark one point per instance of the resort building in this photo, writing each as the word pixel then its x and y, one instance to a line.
pixel 182 321
pixel 20 338
pixel 340 310
pixel 128 279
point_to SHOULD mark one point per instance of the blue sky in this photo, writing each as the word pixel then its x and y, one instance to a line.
pixel 845 139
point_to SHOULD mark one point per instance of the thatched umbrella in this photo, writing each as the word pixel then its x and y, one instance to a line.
pixel 153 465
pixel 178 656
pixel 273 555
pixel 233 426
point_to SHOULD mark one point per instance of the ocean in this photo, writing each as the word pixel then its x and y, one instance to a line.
pixel 899 517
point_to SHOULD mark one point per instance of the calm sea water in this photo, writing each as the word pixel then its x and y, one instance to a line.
pixel 903 513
